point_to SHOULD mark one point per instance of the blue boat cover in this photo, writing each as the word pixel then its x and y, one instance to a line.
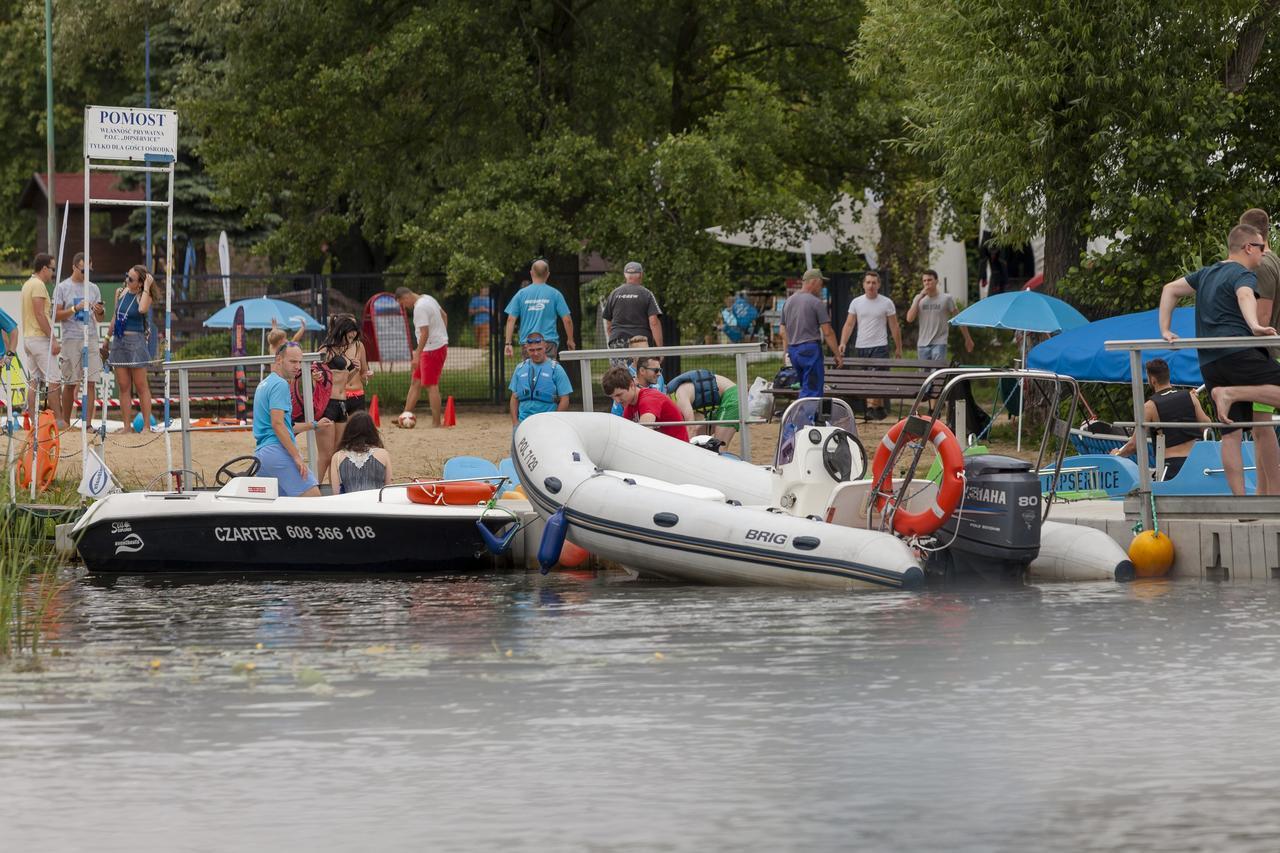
pixel 1079 352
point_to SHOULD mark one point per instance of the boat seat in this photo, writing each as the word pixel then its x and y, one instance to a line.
pixel 1202 473
pixel 688 490
pixel 507 468
pixel 468 467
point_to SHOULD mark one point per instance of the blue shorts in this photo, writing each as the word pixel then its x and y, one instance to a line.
pixel 276 462
pixel 806 358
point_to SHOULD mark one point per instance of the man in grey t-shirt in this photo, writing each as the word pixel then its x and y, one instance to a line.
pixel 631 310
pixel 77 302
pixel 934 310
pixel 805 321
pixel 1265 447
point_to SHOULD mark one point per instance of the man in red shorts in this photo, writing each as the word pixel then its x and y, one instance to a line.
pixel 643 405
pixel 1226 306
pixel 430 323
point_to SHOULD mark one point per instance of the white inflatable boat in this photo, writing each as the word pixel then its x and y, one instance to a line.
pixel 667 509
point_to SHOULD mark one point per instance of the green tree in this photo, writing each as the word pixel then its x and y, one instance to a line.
pixel 1072 119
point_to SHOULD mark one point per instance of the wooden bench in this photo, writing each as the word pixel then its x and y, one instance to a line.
pixel 858 379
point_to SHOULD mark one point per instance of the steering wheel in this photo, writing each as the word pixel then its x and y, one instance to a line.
pixel 839 452
pixel 229 470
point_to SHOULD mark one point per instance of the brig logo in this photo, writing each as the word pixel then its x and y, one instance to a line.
pixel 130 544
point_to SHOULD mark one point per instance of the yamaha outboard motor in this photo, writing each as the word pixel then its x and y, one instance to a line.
pixel 995 534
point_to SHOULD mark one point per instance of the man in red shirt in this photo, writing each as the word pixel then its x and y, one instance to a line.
pixel 643 405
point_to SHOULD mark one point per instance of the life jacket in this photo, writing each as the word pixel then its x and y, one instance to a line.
pixel 706 393
pixel 536 381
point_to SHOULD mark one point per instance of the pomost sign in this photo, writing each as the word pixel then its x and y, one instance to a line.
pixel 125 133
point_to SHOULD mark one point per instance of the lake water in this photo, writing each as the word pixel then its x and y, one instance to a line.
pixel 582 712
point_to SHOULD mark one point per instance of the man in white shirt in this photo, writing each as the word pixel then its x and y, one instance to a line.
pixel 77 302
pixel 874 317
pixel 430 323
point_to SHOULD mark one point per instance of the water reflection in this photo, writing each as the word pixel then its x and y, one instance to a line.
pixel 582 711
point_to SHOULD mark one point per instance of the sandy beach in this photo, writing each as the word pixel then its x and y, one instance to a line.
pixel 138 460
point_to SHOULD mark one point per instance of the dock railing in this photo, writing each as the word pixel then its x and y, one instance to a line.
pixel 585 357
pixel 231 363
pixel 1136 383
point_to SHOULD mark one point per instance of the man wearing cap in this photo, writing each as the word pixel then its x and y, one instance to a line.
pixel 630 310
pixel 538 384
pixel 874 316
pixel 805 322
pixel 536 306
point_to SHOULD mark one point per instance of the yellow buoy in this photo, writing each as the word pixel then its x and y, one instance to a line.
pixel 1151 553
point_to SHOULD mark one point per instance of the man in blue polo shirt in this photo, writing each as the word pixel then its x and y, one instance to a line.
pixel 536 306
pixel 538 383
pixel 273 428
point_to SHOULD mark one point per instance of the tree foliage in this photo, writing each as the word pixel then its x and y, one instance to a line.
pixel 1076 120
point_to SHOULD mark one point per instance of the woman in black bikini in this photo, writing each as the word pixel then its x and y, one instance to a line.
pixel 344 355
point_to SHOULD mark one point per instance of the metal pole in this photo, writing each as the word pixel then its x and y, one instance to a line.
pixel 184 412
pixel 584 367
pixel 1140 439
pixel 309 412
pixel 52 211
pixel 740 362
pixel 168 319
pixel 146 101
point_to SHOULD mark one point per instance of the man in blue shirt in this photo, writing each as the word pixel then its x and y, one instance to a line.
pixel 538 383
pixel 536 306
pixel 1226 306
pixel 273 428
pixel 8 337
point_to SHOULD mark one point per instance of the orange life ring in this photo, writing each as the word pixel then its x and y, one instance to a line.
pixel 49 450
pixel 950 490
pixel 468 493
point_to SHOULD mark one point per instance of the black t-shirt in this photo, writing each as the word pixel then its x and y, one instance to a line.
pixel 1174 405
pixel 628 309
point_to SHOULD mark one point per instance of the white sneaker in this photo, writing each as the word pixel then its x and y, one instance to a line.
pixel 157 428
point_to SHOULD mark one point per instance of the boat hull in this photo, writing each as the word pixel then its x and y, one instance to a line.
pixel 200 535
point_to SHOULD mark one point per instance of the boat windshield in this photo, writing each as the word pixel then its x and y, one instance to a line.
pixel 811 411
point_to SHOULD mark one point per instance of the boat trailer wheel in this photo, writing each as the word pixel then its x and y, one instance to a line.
pixel 838 454
pixel 248 466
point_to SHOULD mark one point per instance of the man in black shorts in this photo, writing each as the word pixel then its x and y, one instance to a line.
pixel 1226 306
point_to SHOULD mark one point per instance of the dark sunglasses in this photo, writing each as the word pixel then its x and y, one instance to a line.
pixel 288 344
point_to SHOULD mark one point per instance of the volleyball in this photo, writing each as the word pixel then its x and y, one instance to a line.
pixel 407 420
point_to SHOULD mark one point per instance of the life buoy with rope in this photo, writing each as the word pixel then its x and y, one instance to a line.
pixel 469 493
pixel 950 489
pixel 43 459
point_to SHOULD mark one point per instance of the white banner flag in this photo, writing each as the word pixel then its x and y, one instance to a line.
pixel 96 482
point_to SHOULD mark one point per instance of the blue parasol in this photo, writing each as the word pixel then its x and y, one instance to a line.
pixel 259 312
pixel 1079 352
pixel 1022 311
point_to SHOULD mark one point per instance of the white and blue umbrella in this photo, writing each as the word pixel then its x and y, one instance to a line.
pixel 260 311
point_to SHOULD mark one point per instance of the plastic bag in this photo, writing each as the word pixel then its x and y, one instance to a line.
pixel 759 400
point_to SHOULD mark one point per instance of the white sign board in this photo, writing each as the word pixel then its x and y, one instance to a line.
pixel 126 133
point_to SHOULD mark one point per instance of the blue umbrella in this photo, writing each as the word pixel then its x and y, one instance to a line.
pixel 259 312
pixel 1023 311
pixel 1079 352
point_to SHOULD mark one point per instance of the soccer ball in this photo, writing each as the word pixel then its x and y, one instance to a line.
pixel 407 420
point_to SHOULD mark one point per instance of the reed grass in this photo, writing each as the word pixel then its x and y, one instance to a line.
pixel 28 582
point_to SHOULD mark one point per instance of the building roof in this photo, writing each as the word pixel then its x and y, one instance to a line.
pixel 69 187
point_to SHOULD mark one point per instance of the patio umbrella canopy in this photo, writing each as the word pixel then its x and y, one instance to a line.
pixel 1079 352
pixel 1021 311
pixel 260 311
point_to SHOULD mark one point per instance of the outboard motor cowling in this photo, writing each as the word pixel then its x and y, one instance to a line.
pixel 995 534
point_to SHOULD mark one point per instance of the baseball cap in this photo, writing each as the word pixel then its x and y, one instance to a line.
pixel 812 273
pixel 632 268
pixel 534 338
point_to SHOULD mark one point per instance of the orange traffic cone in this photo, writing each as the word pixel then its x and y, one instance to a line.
pixel 373 412
pixel 450 416
pixel 26 421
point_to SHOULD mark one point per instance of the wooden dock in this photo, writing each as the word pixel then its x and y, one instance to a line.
pixel 1215 537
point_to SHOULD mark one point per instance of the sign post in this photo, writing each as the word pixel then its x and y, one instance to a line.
pixel 147 141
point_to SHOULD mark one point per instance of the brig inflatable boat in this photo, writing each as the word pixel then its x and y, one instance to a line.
pixel 668 509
